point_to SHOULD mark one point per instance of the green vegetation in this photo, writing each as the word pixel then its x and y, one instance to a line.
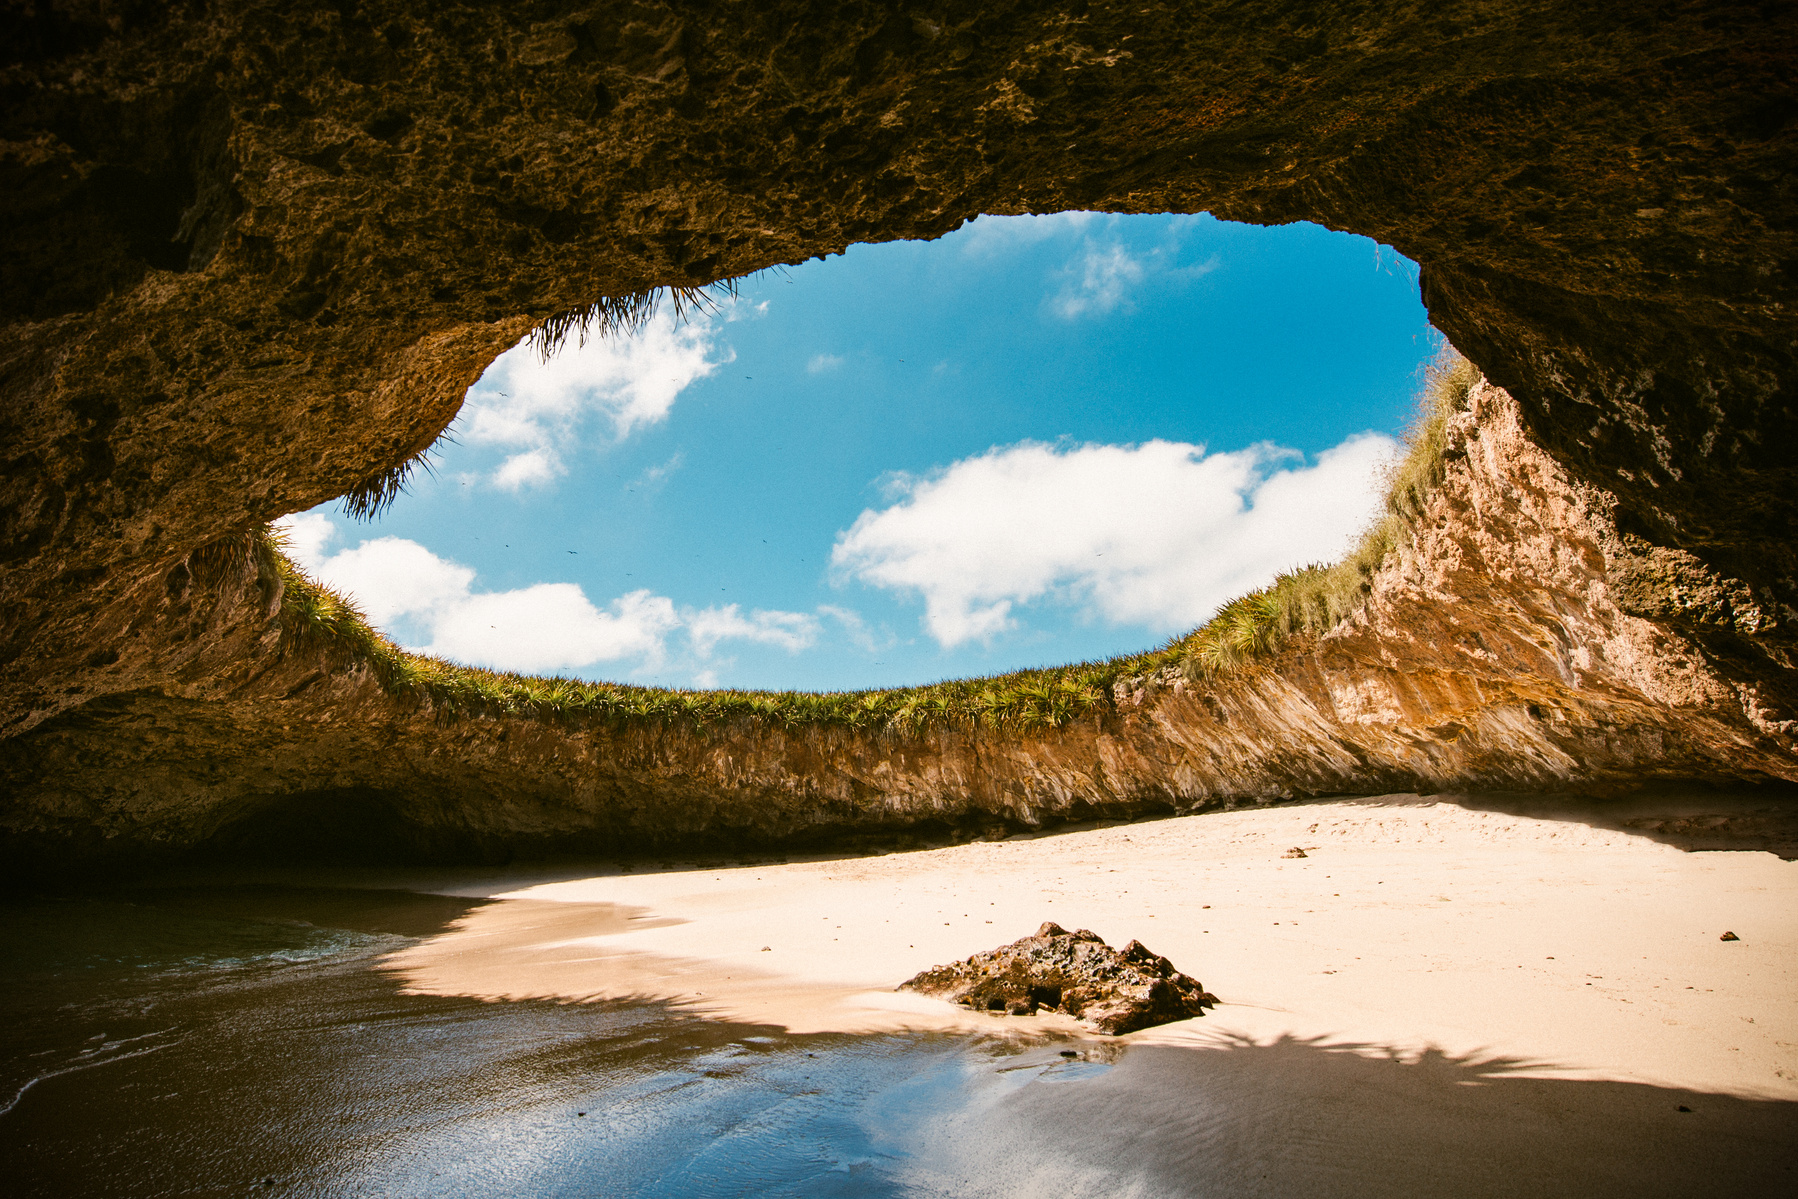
pixel 1319 597
pixel 1315 599
pixel 1305 602
pixel 375 494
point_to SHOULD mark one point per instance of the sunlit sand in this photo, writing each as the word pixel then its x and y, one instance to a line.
pixel 1565 950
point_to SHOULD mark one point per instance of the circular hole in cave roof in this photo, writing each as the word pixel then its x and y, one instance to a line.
pixel 1036 440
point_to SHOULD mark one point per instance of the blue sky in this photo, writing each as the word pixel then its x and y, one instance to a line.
pixel 1035 440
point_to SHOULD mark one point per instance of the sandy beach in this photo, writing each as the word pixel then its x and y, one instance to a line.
pixel 1589 952
pixel 1577 971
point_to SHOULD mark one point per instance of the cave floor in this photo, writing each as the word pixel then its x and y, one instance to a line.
pixel 1437 998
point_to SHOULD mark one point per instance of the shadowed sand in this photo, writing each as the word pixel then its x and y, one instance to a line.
pixel 1584 952
pixel 1297 1118
pixel 1434 1000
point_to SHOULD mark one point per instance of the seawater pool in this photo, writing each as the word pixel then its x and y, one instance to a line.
pixel 247 1040
pixel 228 1041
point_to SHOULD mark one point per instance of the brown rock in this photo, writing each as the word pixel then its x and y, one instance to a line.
pixel 1114 991
pixel 1729 937
pixel 255 255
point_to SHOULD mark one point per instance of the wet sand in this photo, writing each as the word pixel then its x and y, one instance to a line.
pixel 1438 999
pixel 1434 999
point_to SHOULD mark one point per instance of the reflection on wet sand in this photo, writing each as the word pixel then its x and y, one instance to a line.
pixel 1295 1117
pixel 1435 1000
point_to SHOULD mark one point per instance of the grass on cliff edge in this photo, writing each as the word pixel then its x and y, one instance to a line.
pixel 1304 602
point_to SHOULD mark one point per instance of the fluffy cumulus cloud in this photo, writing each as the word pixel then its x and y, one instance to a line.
pixel 405 588
pixel 1158 534
pixel 551 626
pixel 391 578
pixel 536 413
pixel 306 535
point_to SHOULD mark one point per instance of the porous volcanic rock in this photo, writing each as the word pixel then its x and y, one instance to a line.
pixel 1114 990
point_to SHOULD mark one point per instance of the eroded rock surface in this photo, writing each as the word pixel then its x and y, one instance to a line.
pixel 1114 990
pixel 1491 654
pixel 256 252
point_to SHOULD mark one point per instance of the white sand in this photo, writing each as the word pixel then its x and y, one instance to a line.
pixel 1589 953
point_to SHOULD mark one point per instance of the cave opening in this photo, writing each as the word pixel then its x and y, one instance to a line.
pixel 343 221
pixel 1036 440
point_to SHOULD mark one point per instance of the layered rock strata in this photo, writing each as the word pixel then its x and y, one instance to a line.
pixel 1491 653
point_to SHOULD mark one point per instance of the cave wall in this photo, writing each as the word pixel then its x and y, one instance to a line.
pixel 1491 654
pixel 257 251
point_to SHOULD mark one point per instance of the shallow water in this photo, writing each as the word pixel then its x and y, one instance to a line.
pixel 246 1040
pixel 228 1040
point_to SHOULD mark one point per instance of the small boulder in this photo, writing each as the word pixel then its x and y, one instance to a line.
pixel 1729 937
pixel 1114 990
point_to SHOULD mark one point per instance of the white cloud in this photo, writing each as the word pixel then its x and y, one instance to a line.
pixel 538 412
pixel 1158 534
pixel 791 631
pixel 308 533
pixel 529 469
pixel 391 577
pixel 823 362
pixel 544 627
pixel 655 474
pixel 1100 283
pixel 551 626
pixel 1102 271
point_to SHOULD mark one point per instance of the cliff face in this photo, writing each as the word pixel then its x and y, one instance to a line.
pixel 258 249
pixel 1492 653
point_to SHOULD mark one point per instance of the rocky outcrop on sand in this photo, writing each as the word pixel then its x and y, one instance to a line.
pixel 1114 991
